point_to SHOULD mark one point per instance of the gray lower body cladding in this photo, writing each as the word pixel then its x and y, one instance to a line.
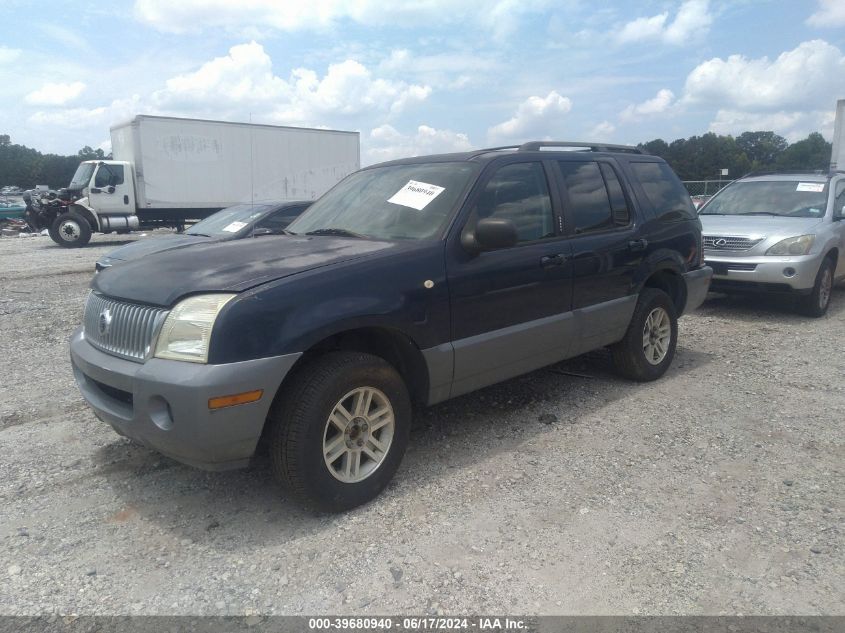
pixel 163 404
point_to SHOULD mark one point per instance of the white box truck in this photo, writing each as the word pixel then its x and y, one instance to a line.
pixel 167 171
pixel 837 157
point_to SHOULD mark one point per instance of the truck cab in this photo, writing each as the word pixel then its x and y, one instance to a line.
pixel 101 198
pixel 107 185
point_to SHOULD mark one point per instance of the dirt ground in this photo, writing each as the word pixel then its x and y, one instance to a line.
pixel 716 490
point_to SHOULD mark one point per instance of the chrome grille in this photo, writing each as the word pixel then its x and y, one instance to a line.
pixel 130 329
pixel 730 243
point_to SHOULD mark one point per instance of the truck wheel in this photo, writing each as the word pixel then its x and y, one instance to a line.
pixel 816 303
pixel 72 230
pixel 649 344
pixel 339 430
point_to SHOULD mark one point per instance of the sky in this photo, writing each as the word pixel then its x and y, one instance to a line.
pixel 425 76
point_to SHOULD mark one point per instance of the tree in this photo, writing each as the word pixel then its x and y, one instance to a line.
pixel 761 148
pixel 811 153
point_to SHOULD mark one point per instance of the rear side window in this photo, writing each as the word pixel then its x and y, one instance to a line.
pixel 589 201
pixel 663 189
pixel 618 204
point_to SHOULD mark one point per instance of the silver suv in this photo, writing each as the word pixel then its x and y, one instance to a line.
pixel 778 233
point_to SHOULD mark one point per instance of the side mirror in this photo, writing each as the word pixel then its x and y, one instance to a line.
pixel 96 190
pixel 490 234
pixel 110 189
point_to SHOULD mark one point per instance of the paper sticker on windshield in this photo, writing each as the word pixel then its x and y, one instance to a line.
pixel 234 227
pixel 416 195
pixel 815 187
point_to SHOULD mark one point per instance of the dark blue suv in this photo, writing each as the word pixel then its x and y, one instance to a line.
pixel 412 281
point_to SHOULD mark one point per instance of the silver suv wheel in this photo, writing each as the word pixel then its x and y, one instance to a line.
pixel 358 434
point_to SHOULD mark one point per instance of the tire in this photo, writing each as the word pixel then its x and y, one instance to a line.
pixel 816 303
pixel 71 230
pixel 630 354
pixel 301 429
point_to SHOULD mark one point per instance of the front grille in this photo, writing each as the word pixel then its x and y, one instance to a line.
pixel 120 328
pixel 731 243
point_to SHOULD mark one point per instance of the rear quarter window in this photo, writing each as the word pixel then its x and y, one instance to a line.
pixel 664 190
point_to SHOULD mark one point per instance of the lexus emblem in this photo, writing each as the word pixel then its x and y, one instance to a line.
pixel 104 322
pixel 720 242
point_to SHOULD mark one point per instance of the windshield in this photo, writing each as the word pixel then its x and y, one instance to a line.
pixel 792 198
pixel 392 202
pixel 229 220
pixel 82 176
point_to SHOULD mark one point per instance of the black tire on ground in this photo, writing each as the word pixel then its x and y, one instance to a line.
pixel 300 424
pixel 71 230
pixel 816 303
pixel 630 354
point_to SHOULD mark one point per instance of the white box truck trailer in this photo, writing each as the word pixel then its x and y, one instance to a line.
pixel 837 157
pixel 166 171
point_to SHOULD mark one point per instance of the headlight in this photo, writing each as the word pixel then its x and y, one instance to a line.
pixel 799 245
pixel 187 330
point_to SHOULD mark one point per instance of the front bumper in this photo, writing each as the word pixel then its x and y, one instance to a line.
pixel 698 284
pixel 163 404
pixel 764 273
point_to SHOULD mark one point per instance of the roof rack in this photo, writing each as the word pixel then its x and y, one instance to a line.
pixel 593 147
pixel 479 152
pixel 533 146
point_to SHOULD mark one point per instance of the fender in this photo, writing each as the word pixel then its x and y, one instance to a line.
pixel 660 259
pixel 82 208
pixel 293 314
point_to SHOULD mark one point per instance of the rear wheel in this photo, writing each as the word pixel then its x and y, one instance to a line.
pixel 339 430
pixel 649 344
pixel 816 303
pixel 71 230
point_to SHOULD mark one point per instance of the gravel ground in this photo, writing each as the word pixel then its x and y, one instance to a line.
pixel 716 490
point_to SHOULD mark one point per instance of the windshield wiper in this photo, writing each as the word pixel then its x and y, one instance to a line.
pixel 759 213
pixel 710 213
pixel 332 231
pixel 199 234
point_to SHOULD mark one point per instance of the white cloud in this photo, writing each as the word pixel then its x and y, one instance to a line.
pixel 386 143
pixel 792 125
pixel 243 81
pixel 55 94
pixel 601 132
pixel 81 118
pixel 656 105
pixel 499 16
pixel 453 70
pixel 829 13
pixel 800 79
pixel 9 54
pixel 536 118
pixel 692 21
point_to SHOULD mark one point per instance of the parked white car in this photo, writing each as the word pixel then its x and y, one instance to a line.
pixel 778 233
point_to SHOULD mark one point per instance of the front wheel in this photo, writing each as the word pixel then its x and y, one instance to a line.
pixel 816 303
pixel 340 429
pixel 649 344
pixel 71 230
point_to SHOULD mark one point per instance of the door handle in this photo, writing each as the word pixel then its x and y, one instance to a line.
pixel 552 260
pixel 638 245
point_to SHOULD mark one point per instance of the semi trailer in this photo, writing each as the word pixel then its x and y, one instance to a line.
pixel 167 171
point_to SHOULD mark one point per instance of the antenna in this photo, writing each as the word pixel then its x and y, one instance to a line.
pixel 251 163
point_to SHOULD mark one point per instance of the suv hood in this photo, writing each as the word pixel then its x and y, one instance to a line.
pixel 233 266
pixel 755 226
pixel 154 245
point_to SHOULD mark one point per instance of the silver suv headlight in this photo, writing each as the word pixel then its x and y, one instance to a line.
pixel 186 332
pixel 799 245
